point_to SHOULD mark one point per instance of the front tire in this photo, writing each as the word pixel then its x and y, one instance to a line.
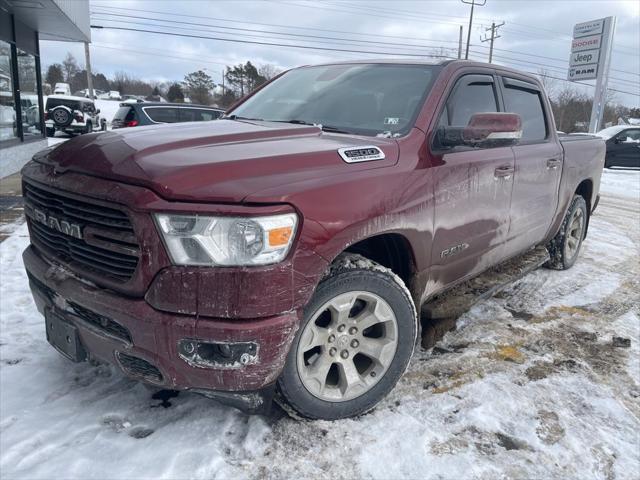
pixel 565 246
pixel 354 343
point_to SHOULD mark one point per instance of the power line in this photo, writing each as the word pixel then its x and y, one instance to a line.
pixel 526 63
pixel 561 36
pixel 392 45
pixel 316 29
pixel 293 27
pixel 254 42
pixel 344 40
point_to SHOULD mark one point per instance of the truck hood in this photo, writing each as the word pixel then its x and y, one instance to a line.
pixel 221 161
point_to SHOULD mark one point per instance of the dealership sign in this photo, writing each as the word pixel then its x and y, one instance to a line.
pixel 588 54
pixel 585 43
pixel 590 59
pixel 583 72
pixel 588 28
pixel 584 57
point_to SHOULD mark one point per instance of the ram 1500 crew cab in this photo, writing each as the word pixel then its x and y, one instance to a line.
pixel 288 247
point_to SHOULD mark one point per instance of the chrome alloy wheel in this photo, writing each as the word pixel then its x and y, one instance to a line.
pixel 574 233
pixel 347 346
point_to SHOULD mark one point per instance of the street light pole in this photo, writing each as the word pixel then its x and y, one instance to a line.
pixel 87 59
pixel 473 4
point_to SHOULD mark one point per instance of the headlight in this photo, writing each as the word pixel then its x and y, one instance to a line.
pixel 203 240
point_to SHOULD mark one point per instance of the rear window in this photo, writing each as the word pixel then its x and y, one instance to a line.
pixel 53 102
pixel 162 114
pixel 125 114
pixel 527 104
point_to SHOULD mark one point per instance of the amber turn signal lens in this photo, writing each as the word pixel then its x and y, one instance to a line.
pixel 280 236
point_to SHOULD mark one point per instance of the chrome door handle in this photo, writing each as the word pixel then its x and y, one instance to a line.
pixel 553 163
pixel 504 172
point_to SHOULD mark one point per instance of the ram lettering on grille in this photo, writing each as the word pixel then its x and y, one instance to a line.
pixel 62 226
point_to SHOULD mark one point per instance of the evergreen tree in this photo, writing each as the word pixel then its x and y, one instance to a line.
pixel 175 93
pixel 199 85
pixel 54 74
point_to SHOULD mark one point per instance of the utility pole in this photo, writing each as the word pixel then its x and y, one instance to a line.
pixel 460 43
pixel 473 3
pixel 494 30
pixel 87 60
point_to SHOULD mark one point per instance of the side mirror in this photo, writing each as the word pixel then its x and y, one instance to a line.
pixel 97 111
pixel 485 130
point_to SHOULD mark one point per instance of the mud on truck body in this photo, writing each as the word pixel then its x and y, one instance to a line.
pixel 288 247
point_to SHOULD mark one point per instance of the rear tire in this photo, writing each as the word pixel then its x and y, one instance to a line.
pixel 354 342
pixel 88 128
pixel 565 246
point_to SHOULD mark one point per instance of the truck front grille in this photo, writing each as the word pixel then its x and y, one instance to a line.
pixel 81 233
pixel 101 322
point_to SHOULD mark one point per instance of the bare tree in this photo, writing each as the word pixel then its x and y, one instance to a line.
pixel 550 84
pixel 268 71
pixel 69 67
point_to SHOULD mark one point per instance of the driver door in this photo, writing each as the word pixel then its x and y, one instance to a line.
pixel 472 190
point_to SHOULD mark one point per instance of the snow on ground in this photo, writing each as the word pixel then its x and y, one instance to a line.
pixel 530 385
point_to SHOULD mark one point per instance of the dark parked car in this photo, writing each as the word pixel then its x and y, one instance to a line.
pixel 137 114
pixel 623 145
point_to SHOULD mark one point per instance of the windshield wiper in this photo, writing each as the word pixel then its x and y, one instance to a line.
pixel 330 129
pixel 236 117
pixel 325 128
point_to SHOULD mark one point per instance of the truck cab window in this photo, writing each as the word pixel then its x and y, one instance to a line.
pixel 528 104
pixel 468 99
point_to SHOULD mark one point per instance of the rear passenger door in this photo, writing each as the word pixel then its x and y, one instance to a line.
pixel 538 167
pixel 472 189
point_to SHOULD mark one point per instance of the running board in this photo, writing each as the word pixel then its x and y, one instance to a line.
pixel 439 315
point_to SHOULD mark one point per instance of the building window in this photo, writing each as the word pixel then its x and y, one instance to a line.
pixel 8 126
pixel 30 110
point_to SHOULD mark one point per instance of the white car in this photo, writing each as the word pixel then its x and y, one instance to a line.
pixel 62 89
pixel 72 115
pixel 114 95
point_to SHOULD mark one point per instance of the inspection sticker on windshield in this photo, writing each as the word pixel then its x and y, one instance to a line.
pixel 361 154
pixel 391 120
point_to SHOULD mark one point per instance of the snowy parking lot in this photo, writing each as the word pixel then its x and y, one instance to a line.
pixel 542 381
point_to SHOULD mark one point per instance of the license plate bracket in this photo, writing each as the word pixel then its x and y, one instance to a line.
pixel 63 336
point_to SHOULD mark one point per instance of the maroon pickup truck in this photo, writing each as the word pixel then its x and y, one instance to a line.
pixel 287 248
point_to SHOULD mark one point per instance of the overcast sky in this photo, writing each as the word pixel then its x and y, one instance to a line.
pixel 536 34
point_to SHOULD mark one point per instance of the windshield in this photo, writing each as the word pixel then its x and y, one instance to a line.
pixel 607 133
pixel 373 99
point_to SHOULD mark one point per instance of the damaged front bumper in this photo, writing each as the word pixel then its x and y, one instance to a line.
pixel 234 361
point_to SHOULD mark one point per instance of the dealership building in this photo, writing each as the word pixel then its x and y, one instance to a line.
pixel 23 23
